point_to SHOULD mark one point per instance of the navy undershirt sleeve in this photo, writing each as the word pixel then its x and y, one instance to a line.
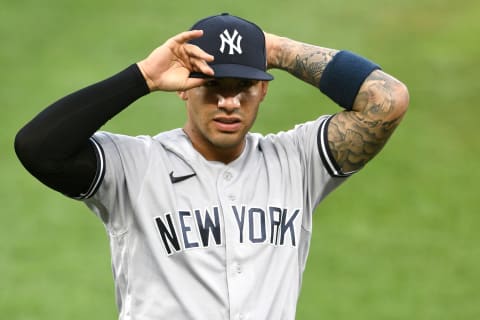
pixel 55 146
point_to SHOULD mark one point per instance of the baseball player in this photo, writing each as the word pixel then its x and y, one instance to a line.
pixel 211 221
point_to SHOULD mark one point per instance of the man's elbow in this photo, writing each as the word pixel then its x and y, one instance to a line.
pixel 401 99
pixel 22 146
pixel 27 150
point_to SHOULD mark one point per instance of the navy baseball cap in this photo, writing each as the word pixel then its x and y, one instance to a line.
pixel 238 46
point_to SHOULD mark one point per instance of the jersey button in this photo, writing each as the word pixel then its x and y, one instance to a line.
pixel 227 175
pixel 236 268
pixel 232 197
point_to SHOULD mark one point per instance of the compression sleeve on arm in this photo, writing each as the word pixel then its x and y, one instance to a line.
pixel 55 147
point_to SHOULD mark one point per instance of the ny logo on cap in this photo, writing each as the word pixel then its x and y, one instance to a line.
pixel 229 39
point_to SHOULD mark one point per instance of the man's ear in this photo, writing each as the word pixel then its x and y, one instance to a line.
pixel 264 89
pixel 182 95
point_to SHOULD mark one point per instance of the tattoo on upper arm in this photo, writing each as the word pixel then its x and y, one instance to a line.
pixel 356 136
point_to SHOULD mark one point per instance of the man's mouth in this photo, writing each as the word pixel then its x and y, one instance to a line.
pixel 228 124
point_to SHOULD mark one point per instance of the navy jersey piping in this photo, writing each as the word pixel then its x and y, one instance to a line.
pixel 326 155
pixel 100 172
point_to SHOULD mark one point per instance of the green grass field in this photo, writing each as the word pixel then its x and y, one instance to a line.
pixel 400 240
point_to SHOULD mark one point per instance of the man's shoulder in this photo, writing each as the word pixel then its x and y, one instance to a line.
pixel 164 137
pixel 172 134
pixel 278 137
pixel 107 135
pixel 171 138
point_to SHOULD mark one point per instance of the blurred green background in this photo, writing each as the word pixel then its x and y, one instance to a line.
pixel 400 240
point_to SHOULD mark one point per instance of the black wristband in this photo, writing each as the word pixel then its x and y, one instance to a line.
pixel 343 77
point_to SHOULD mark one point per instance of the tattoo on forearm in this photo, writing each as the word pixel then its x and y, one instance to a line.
pixel 306 62
pixel 309 68
pixel 355 137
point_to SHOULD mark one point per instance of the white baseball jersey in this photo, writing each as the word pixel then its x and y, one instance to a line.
pixel 204 240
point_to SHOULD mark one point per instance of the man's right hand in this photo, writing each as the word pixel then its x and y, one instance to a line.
pixel 168 67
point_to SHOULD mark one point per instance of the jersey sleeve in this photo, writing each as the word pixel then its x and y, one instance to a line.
pixel 121 164
pixel 321 173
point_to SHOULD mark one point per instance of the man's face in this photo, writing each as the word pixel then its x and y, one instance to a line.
pixel 220 113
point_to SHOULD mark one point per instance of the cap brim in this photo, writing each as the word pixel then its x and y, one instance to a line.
pixel 234 71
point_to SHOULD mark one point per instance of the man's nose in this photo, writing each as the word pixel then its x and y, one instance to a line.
pixel 228 101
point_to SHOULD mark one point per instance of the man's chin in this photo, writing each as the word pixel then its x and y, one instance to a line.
pixel 228 140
